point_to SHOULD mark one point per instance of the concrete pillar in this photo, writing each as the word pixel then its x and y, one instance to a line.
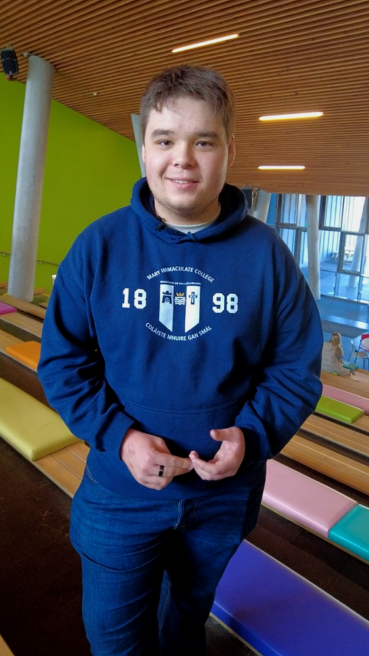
pixel 138 139
pixel 312 224
pixel 262 205
pixel 31 166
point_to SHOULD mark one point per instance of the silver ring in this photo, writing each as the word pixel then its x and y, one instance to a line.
pixel 161 470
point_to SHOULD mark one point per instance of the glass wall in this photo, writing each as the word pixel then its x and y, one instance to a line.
pixel 343 242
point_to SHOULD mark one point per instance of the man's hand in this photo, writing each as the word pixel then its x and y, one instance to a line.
pixel 227 460
pixel 145 455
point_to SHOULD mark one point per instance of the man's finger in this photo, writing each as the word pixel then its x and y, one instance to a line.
pixel 171 472
pixel 209 471
pixel 213 467
pixel 232 434
pixel 173 462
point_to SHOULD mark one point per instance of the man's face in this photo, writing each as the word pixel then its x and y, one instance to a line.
pixel 186 155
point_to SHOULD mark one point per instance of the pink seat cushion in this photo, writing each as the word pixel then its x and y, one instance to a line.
pixel 346 397
pixel 5 308
pixel 304 500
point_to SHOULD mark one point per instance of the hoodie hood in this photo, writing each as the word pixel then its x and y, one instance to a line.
pixel 233 210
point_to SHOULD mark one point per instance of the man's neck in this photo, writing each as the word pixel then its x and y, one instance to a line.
pixel 191 226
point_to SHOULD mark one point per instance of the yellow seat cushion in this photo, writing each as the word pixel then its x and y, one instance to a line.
pixel 29 426
pixel 26 352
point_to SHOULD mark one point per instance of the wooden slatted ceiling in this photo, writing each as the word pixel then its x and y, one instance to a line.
pixel 291 56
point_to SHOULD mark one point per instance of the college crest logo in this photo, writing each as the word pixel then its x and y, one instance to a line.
pixel 179 304
pixel 188 296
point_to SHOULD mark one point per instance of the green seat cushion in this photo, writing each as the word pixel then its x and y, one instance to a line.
pixel 338 410
pixel 352 532
pixel 29 426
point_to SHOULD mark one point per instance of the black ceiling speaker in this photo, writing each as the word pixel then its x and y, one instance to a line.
pixel 9 62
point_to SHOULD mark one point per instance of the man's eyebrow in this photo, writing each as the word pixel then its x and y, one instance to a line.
pixel 208 134
pixel 161 132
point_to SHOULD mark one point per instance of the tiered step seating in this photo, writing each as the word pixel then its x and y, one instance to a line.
pixel 25 306
pixel 318 508
pixel 65 467
pixel 323 459
pixel 284 615
pixel 358 384
pixel 26 323
pixel 271 608
pixel 345 436
pixel 344 427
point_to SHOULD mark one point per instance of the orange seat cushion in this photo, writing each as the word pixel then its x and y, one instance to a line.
pixel 27 352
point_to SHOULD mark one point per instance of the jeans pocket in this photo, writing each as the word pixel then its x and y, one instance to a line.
pixel 89 475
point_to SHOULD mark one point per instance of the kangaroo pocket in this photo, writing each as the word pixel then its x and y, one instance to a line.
pixel 185 431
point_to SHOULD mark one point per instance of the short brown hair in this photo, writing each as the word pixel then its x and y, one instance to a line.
pixel 196 81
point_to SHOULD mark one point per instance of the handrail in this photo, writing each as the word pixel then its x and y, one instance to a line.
pixel 4 253
pixel 46 262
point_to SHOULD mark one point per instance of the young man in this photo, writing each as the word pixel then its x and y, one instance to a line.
pixel 182 343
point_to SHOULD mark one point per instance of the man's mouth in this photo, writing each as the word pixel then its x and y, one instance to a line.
pixel 183 181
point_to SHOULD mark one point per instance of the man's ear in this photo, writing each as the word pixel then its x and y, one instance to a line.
pixel 143 153
pixel 231 151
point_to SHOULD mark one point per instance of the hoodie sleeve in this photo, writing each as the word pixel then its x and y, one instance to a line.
pixel 288 385
pixel 71 369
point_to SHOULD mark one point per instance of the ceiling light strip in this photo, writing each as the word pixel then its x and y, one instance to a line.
pixel 282 117
pixel 268 167
pixel 206 43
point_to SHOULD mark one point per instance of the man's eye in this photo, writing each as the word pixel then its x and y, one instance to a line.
pixel 204 143
pixel 164 142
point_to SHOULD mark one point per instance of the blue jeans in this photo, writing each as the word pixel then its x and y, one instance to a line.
pixel 150 567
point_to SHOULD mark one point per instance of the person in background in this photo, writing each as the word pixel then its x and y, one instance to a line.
pixel 181 342
pixel 332 357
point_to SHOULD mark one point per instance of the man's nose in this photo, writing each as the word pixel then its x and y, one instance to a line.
pixel 183 156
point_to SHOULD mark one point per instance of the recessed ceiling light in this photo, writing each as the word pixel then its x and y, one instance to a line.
pixel 272 167
pixel 281 117
pixel 206 43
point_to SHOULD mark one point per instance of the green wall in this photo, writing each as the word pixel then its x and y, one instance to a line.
pixel 89 171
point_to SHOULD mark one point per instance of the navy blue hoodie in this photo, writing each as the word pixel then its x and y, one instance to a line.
pixel 177 334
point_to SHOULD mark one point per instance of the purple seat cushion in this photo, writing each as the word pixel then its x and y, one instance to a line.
pixel 278 613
